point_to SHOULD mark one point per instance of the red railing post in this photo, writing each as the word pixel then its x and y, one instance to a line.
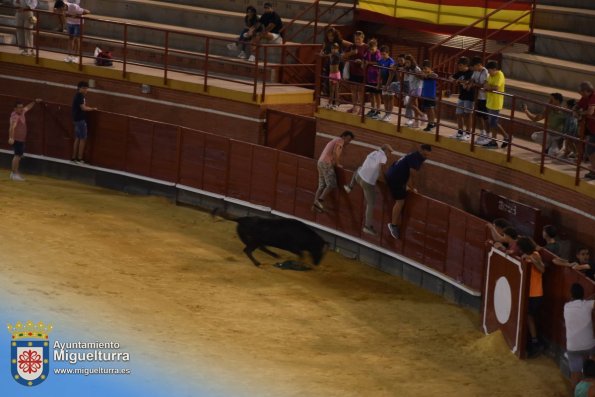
pixel 264 73
pixel 531 27
pixel 125 50
pixel 511 130
pixel 438 110
pixel 544 139
pixel 206 66
pixel 316 12
pixel 81 40
pixel 165 57
pixel 318 80
pixel 255 90
pixel 485 34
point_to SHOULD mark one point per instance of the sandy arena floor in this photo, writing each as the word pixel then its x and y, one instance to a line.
pixel 177 280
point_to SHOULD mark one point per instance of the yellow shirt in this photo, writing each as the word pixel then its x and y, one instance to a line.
pixel 495 101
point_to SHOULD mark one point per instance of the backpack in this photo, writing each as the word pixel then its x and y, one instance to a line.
pixel 104 58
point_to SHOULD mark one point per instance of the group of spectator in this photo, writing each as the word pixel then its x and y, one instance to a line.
pixel 580 341
pixel 266 29
pixel 480 99
pixel 400 178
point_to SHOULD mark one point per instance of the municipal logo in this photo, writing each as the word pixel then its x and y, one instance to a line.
pixel 29 352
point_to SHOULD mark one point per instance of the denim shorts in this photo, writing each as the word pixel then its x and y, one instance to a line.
pixel 464 107
pixel 80 129
pixel 74 30
pixel 493 118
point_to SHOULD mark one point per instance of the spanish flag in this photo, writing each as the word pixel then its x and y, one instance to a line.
pixel 452 13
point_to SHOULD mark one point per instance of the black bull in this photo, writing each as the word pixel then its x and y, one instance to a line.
pixel 286 234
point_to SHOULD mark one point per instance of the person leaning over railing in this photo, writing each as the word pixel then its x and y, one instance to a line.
pixel 530 255
pixel 25 21
pixel 586 110
pixel 582 262
pixel 555 122
pixel 73 13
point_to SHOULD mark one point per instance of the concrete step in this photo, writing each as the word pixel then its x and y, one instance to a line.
pixel 178 15
pixel 287 9
pixel 536 92
pixel 568 46
pixel 587 4
pixel 565 19
pixel 553 72
pixel 7 38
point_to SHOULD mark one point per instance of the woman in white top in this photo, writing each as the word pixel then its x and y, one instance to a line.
pixel 25 22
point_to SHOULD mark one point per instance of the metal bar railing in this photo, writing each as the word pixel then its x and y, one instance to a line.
pixel 167 51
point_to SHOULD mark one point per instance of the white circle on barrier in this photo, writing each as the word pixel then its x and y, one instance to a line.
pixel 502 300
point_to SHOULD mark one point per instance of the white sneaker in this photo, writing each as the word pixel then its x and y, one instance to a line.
pixel 369 230
pixel 16 177
pixel 232 47
pixel 75 60
pixel 68 59
pixel 251 59
pixel 347 188
pixel 242 55
pixel 386 118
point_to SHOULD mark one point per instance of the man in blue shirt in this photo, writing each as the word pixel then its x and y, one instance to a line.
pixel 398 178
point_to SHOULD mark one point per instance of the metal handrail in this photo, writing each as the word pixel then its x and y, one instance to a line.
pixel 260 76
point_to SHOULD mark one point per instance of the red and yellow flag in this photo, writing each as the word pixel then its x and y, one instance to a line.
pixel 453 12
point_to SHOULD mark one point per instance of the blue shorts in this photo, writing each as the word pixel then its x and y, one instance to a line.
pixel 80 129
pixel 19 148
pixel 74 30
pixel 464 107
pixel 493 118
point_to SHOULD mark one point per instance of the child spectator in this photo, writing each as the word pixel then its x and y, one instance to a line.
pixel 331 37
pixel 17 134
pixel 372 57
pixel 428 93
pixel 478 79
pixel 494 103
pixel 497 230
pixel 555 123
pixel 466 96
pixel 531 257
pixel 355 56
pixel 250 26
pixel 393 84
pixel 549 234
pixel 412 77
pixel 580 343
pixel 387 63
pixel 508 241
pixel 570 131
pixel 334 75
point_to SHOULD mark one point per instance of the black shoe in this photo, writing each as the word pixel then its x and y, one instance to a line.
pixel 429 127
pixel 74 160
pixel 491 145
pixel 590 175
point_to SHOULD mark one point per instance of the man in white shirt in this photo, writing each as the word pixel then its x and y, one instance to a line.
pixel 25 22
pixel 366 176
pixel 73 13
pixel 580 343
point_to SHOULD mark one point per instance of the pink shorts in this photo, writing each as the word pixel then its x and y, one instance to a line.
pixel 334 77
